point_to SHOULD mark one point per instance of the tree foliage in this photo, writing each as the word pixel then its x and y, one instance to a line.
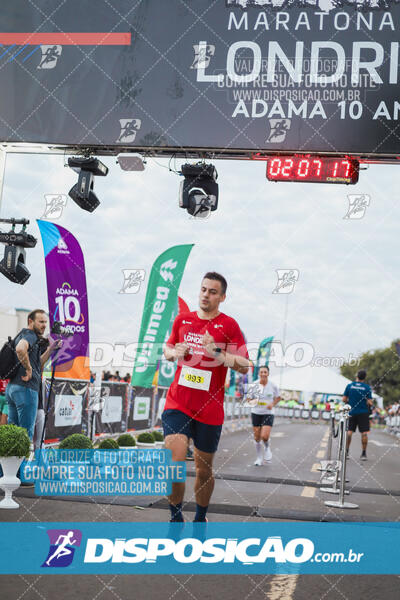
pixel 383 371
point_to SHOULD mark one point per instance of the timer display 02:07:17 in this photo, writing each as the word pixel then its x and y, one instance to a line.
pixel 312 169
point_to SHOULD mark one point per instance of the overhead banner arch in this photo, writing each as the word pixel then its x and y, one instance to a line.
pixel 236 76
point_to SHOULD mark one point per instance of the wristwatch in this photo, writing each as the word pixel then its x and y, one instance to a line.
pixel 217 351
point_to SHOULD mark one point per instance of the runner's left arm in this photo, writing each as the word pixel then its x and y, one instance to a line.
pixel 276 399
pixel 237 362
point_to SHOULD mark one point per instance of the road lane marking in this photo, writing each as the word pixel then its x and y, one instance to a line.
pixel 308 492
pixel 282 587
pixel 320 454
pixel 383 445
pixel 315 468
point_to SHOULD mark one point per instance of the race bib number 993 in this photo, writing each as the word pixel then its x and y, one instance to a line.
pixel 196 379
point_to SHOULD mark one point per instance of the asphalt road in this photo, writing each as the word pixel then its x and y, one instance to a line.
pixel 289 486
pixel 285 490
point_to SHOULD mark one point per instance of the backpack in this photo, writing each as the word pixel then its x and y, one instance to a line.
pixel 9 363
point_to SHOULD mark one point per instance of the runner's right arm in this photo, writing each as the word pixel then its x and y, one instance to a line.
pixel 174 349
pixel 176 352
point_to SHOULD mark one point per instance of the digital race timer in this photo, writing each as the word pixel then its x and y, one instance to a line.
pixel 312 169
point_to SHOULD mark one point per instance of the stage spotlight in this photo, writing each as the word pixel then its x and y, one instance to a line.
pixel 82 192
pixel 199 190
pixel 13 265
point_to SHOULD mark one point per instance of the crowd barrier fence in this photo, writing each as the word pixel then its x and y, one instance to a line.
pixel 393 425
pixel 116 407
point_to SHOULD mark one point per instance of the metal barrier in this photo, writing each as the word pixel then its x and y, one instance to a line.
pixel 340 465
pixel 329 466
pixel 332 468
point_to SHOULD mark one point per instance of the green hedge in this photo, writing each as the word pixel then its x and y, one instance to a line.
pixel 158 436
pixel 126 439
pixel 76 441
pixel 14 441
pixel 109 444
pixel 146 438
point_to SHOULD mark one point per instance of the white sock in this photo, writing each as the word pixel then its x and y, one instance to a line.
pixel 259 449
pixel 266 444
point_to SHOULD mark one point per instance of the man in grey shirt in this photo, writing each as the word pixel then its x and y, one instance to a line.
pixel 23 390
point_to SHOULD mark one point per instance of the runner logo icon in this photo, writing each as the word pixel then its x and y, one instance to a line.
pixel 50 56
pixel 278 130
pixel 129 128
pixel 202 55
pixel 62 547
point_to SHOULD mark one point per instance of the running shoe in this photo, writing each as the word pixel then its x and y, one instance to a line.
pixel 267 454
pixel 363 455
pixel 258 462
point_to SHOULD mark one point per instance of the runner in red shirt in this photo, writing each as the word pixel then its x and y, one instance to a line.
pixel 205 343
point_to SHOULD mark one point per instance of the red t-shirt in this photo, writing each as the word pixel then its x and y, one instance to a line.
pixel 3 385
pixel 204 405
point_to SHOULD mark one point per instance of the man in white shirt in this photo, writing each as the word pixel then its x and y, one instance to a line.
pixel 262 395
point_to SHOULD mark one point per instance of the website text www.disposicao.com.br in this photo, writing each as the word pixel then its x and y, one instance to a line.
pixel 212 550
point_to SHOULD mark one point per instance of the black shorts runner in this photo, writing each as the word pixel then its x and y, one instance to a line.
pixel 362 420
pixel 205 437
pixel 261 420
